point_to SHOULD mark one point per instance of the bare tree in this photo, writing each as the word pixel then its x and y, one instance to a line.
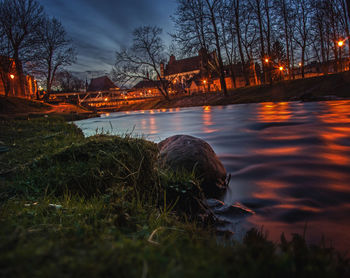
pixel 236 9
pixel 213 8
pixel 228 38
pixel 192 31
pixel 67 82
pixel 302 36
pixel 142 60
pixel 284 12
pixel 55 52
pixel 20 21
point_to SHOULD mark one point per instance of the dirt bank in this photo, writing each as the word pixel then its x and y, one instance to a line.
pixel 17 108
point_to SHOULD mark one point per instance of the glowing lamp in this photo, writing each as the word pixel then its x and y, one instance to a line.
pixel 266 60
pixel 12 76
pixel 340 43
pixel 281 68
pixel 106 99
pixel 205 81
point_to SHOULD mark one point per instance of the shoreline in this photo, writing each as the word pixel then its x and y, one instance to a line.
pixel 322 88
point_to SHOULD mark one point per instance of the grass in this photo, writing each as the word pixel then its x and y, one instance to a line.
pixel 99 207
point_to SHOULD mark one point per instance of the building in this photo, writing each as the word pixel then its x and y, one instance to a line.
pixel 145 88
pixel 102 83
pixel 10 82
pixel 197 74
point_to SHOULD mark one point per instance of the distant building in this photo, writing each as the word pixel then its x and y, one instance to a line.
pixel 102 83
pixel 197 74
pixel 145 88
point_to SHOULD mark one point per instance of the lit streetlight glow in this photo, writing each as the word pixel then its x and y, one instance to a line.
pixel 205 81
pixel 267 60
pixel 281 68
pixel 12 76
pixel 340 43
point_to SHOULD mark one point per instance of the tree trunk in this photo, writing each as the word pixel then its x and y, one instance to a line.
pixel 233 76
pixel 348 8
pixel 262 46
pixel 285 19
pixel 303 62
pixel 19 87
pixel 268 37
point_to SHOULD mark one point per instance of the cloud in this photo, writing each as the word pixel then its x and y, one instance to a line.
pixel 99 28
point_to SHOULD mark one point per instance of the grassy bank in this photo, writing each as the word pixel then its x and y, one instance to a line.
pixel 310 89
pixel 99 207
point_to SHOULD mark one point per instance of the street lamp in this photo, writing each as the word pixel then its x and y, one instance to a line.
pixel 12 76
pixel 281 68
pixel 267 60
pixel 340 45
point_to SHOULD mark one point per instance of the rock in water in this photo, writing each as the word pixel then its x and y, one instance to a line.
pixel 187 152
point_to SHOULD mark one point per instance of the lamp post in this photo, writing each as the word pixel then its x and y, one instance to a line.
pixel 281 70
pixel 12 89
pixel 268 71
pixel 340 45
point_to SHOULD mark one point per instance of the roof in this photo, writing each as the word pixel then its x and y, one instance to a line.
pixel 183 65
pixel 102 83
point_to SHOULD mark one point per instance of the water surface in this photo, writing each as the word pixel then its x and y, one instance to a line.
pixel 289 161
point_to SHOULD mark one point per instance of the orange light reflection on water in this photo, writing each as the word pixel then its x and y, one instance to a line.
pixel 207 120
pixel 279 151
pixel 274 112
pixel 334 151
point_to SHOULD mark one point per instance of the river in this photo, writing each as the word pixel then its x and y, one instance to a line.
pixel 289 161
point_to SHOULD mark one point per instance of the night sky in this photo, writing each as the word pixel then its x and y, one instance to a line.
pixel 99 27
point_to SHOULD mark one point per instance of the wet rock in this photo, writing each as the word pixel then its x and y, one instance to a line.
pixel 227 213
pixel 186 152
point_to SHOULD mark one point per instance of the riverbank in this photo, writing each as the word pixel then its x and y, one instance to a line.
pixel 72 206
pixel 18 108
pixel 331 87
